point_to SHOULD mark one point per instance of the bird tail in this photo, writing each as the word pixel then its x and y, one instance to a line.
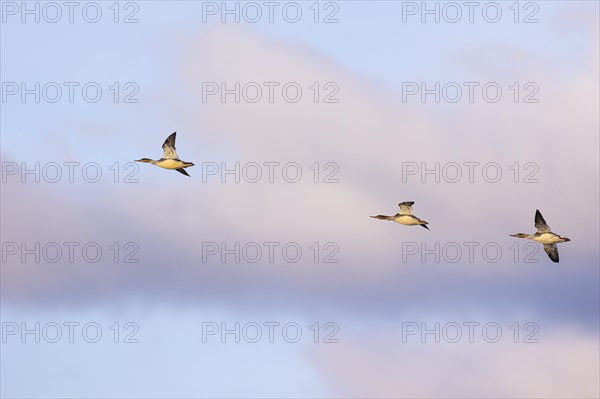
pixel 383 217
pixel 424 225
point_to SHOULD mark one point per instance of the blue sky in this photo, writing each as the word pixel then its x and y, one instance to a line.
pixel 371 135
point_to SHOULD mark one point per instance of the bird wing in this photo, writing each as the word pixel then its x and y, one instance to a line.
pixel 552 251
pixel 406 208
pixel 169 147
pixel 181 170
pixel 540 223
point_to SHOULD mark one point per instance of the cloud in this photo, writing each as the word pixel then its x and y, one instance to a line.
pixel 378 364
pixel 369 134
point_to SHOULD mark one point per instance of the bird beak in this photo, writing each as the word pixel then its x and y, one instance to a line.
pixel 567 239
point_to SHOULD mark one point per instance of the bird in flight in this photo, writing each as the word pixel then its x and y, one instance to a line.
pixel 544 236
pixel 405 216
pixel 170 160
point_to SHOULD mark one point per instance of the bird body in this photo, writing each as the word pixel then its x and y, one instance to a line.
pixel 405 216
pixel 170 159
pixel 545 236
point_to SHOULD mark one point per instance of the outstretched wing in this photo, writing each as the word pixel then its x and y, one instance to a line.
pixel 406 208
pixel 169 147
pixel 540 223
pixel 181 170
pixel 552 251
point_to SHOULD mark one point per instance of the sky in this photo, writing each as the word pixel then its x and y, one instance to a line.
pixel 262 274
